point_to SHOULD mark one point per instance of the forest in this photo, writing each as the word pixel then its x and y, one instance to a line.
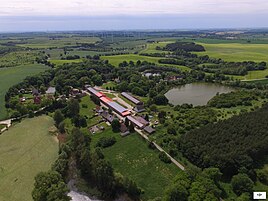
pixel 231 145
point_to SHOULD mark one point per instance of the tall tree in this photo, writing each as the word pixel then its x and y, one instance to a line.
pixel 49 186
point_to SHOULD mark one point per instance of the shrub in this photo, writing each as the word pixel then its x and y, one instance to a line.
pixel 163 157
pixel 106 142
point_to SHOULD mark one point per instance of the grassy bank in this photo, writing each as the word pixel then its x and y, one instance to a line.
pixel 25 150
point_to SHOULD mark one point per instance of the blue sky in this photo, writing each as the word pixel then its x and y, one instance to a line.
pixel 52 15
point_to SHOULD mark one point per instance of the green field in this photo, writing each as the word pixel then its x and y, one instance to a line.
pixel 25 150
pixel 61 62
pixel 264 81
pixel 236 51
pixel 49 42
pixel 151 47
pixel 13 75
pixel 131 157
pixel 117 59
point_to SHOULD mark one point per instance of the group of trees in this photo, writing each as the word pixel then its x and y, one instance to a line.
pixel 203 186
pixel 231 145
pixel 233 99
pixel 185 46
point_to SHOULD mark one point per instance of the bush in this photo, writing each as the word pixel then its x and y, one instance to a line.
pixel 163 157
pixel 241 183
pixel 106 142
pixel 263 176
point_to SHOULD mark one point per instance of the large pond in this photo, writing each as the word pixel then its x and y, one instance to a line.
pixel 195 93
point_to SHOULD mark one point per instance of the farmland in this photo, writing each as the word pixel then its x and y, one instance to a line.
pixel 25 149
pixel 55 42
pixel 236 51
pixel 131 157
pixel 12 76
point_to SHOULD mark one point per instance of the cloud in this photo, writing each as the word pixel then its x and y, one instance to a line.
pixel 128 7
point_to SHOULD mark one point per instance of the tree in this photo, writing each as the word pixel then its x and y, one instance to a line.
pixel 131 128
pixel 58 117
pixel 176 192
pixel 132 189
pixel 241 183
pixel 104 177
pixel 153 108
pixel 116 125
pixel 49 186
pixel 127 122
pixel 160 100
pixel 61 127
pixel 146 117
pixel 73 107
pixel 262 175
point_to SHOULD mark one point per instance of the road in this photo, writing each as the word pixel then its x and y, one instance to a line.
pixel 179 165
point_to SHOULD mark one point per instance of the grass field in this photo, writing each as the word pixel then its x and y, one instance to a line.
pixel 61 62
pixel 13 75
pixel 117 59
pixel 46 42
pixel 236 51
pixel 131 157
pixel 25 150
pixel 151 47
pixel 264 81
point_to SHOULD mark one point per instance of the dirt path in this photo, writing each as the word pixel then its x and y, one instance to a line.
pixel 179 165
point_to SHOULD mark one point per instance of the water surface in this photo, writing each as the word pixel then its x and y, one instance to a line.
pixel 195 93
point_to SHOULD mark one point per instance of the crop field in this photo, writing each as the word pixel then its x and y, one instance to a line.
pixel 61 62
pixel 50 42
pixel 236 51
pixel 25 149
pixel 131 157
pixel 151 47
pixel 117 59
pixel 17 58
pixel 262 81
pixel 13 75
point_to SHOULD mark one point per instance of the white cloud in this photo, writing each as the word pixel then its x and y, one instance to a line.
pixel 128 7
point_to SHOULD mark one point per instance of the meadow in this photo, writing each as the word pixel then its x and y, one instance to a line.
pixel 151 47
pixel 13 75
pixel 61 62
pixel 131 157
pixel 25 149
pixel 117 59
pixel 54 42
pixel 236 51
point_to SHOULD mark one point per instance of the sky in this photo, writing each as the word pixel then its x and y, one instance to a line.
pixel 58 15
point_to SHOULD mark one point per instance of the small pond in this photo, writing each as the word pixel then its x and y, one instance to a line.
pixel 195 93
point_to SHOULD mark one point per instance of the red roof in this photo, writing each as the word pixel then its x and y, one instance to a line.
pixel 105 99
pixel 125 113
pixel 99 94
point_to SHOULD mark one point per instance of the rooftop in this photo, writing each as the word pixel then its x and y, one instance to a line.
pixel 131 98
pixel 117 107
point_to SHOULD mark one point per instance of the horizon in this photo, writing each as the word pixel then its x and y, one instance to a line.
pixel 72 15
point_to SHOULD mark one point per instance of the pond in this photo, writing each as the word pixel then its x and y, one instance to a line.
pixel 195 93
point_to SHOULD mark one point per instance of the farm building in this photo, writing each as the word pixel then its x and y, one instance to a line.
pixel 131 98
pixel 109 102
pixel 108 117
pixel 139 104
pixel 94 92
pixel 149 129
pixel 138 121
pixel 118 109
